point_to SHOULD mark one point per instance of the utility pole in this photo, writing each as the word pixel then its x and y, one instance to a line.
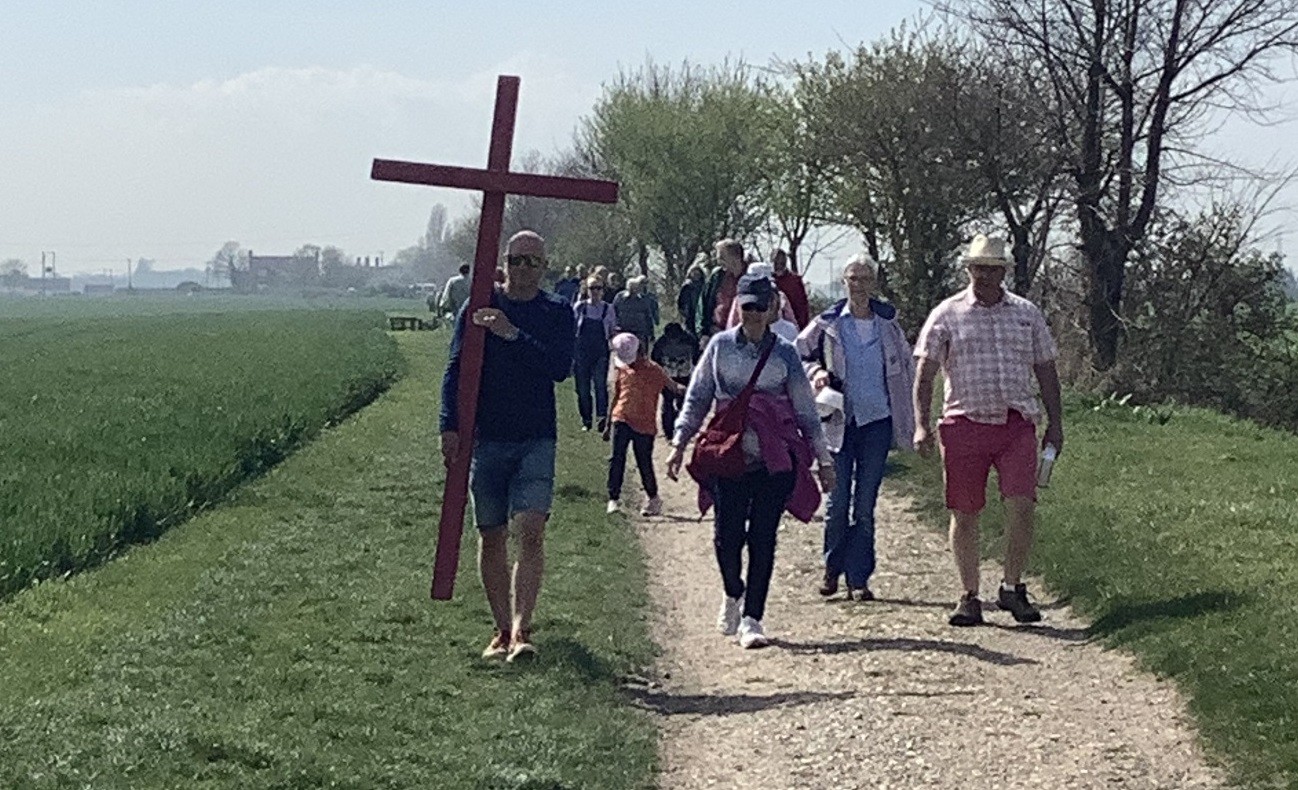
pixel 129 285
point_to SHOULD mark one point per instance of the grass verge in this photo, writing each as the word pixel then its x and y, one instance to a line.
pixel 285 639
pixel 1176 531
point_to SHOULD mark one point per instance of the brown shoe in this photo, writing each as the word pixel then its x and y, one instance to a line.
pixel 498 648
pixel 1017 604
pixel 521 648
pixel 829 586
pixel 969 611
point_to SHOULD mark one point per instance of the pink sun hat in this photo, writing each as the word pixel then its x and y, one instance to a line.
pixel 626 347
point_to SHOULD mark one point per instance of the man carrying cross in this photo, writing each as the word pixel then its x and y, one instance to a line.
pixel 528 350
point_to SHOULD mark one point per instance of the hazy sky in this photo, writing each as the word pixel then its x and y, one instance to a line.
pixel 163 129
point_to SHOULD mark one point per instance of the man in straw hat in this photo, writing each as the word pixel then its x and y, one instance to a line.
pixel 989 343
pixel 529 348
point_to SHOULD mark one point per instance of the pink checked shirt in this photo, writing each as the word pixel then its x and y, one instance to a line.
pixel 987 354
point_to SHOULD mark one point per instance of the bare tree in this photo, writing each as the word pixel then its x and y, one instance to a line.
pixel 795 183
pixel 1009 138
pixel 1134 85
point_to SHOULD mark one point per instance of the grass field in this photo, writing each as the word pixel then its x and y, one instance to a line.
pixel 284 639
pixel 115 429
pixel 81 308
pixel 1180 539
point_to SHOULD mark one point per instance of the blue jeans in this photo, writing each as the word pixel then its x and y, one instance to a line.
pixel 849 538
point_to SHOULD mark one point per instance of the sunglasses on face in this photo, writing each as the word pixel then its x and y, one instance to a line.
pixel 753 307
pixel 596 288
pixel 530 261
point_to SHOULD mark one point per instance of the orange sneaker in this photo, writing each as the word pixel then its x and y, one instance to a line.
pixel 499 647
pixel 521 648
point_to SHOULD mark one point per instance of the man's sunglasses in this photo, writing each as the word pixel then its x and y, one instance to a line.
pixel 530 261
pixel 595 288
pixel 754 307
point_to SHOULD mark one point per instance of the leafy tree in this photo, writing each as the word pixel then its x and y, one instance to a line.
pixel 13 272
pixel 337 271
pixel 1208 321
pixel 685 143
pixel 900 172
pixel 1009 139
pixel 230 263
pixel 794 182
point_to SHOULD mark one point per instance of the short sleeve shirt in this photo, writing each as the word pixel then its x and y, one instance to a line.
pixel 987 354
pixel 638 388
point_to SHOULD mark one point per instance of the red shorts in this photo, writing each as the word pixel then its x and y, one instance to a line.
pixel 969 451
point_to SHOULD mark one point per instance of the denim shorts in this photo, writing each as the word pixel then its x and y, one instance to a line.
pixel 508 478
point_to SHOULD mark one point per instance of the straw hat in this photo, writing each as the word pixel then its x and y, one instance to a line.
pixel 986 251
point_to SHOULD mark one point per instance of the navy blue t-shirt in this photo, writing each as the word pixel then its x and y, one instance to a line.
pixel 516 401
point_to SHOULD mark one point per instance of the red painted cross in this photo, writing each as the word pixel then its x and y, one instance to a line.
pixel 496 182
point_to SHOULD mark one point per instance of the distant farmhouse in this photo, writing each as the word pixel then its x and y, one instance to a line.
pixel 38 285
pixel 266 272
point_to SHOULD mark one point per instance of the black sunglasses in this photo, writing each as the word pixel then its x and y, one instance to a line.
pixel 754 307
pixel 530 261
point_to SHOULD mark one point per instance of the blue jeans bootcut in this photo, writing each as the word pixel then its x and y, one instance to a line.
pixel 849 536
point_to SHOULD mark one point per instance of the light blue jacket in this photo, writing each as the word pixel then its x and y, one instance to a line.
pixel 725 368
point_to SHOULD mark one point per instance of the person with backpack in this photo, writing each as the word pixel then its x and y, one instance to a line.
pixel 857 349
pixel 595 323
pixel 676 352
pixel 754 459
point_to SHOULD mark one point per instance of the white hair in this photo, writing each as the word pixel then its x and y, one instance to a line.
pixel 865 260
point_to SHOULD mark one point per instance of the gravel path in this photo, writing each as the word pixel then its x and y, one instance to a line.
pixel 885 694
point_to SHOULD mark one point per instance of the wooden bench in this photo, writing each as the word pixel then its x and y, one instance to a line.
pixel 399 323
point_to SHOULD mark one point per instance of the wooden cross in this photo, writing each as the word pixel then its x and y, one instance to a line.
pixel 495 182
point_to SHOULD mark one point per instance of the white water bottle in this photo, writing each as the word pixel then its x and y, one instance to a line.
pixel 1047 462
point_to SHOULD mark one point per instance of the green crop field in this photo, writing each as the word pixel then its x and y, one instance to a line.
pixel 114 428
pixel 77 307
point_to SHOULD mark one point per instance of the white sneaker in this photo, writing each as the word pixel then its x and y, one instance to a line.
pixel 751 635
pixel 654 507
pixel 728 618
pixel 613 507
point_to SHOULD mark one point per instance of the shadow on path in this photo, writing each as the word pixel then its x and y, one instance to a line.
pixel 668 704
pixel 906 644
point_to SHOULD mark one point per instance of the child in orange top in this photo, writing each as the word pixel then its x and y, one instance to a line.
pixel 635 412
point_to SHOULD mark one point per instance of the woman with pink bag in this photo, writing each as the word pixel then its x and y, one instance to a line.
pixel 766 414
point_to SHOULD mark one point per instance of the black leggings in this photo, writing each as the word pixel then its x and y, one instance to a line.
pixel 748 511
pixel 643 446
